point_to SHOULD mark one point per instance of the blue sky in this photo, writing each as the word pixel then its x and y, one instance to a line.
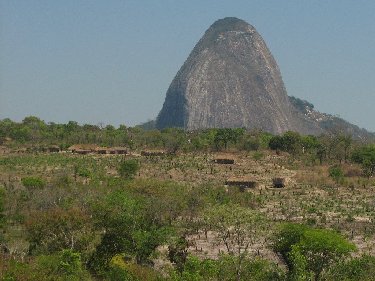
pixel 112 61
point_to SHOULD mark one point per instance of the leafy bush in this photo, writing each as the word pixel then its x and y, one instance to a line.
pixel 356 269
pixel 84 172
pixel 177 252
pixel 308 251
pixel 57 229
pixel 224 269
pixel 128 168
pixel 336 173
pixel 365 156
pixel 33 182
pixel 130 229
pixel 251 144
pixel 2 201
pixel 119 269
pixel 2 216
pixel 63 266
pixel 290 142
pixel 258 155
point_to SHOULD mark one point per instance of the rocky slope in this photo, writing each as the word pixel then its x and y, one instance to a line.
pixel 328 123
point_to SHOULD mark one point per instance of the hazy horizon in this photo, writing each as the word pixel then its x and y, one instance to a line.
pixel 111 62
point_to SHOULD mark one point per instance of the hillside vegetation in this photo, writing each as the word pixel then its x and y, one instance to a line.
pixel 218 204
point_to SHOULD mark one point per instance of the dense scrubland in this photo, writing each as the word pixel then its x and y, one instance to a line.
pixel 168 214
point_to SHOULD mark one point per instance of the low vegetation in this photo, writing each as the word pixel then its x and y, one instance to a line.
pixel 163 212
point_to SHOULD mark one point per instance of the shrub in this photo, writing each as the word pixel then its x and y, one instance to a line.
pixel 128 168
pixel 62 266
pixel 258 155
pixel 81 171
pixel 309 251
pixel 33 182
pixel 53 230
pixel 366 157
pixel 2 216
pixel 356 269
pixel 251 144
pixel 336 173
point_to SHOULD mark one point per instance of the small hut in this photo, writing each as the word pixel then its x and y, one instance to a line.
pixel 223 159
pixel 73 148
pixel 5 140
pixel 278 182
pixel 82 148
pixel 101 150
pixel 82 151
pixel 117 150
pixel 53 149
pixel 152 153
pixel 242 182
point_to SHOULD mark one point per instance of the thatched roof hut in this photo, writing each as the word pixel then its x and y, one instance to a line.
pixel 223 161
pixel 83 148
pixel 53 149
pixel 117 150
pixel 279 182
pixel 152 153
pixel 223 158
pixel 101 150
pixel 242 182
pixel 82 151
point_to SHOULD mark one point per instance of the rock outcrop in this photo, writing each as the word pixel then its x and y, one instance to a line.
pixel 229 80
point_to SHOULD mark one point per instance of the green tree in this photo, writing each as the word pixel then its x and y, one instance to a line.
pixel 290 142
pixel 310 251
pixel 197 270
pixel 356 269
pixel 227 135
pixel 276 143
pixel 56 229
pixel 65 265
pixel 237 228
pixel 365 156
pixel 224 268
pixel 251 143
pixel 128 168
pixel 203 140
pixel 2 216
pixel 288 235
pixel 253 269
pixel 128 228
pixel 173 139
pixel 177 252
pixel 336 173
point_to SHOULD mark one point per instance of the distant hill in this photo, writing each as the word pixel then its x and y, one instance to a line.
pixel 231 79
pixel 149 125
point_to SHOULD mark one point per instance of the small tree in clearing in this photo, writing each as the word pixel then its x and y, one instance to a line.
pixel 128 168
pixel 238 228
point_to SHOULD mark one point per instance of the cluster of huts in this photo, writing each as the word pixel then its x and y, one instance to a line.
pixel 246 182
pixel 84 149
pixel 93 149
pixel 153 153
pixel 78 149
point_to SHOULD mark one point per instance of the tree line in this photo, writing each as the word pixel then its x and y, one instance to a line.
pixel 338 148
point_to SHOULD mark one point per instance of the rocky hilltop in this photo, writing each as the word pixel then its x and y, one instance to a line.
pixel 229 80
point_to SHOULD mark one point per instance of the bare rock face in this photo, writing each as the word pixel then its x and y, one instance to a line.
pixel 229 80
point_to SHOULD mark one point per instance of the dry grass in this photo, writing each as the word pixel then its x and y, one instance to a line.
pixel 310 196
